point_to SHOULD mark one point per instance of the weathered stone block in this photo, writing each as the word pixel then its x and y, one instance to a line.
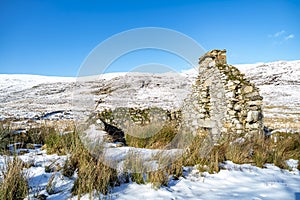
pixel 237 107
pixel 247 89
pixel 252 116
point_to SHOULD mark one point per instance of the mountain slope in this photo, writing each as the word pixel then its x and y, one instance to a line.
pixel 28 96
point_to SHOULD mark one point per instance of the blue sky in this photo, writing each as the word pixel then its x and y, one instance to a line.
pixel 53 37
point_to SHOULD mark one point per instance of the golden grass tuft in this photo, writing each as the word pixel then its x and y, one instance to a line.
pixel 152 136
pixel 14 184
pixel 93 174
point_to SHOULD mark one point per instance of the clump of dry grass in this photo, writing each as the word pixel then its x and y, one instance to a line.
pixel 203 153
pixel 152 136
pixel 93 174
pixel 258 150
pixel 194 153
pixel 59 143
pixel 158 178
pixel 238 150
pixel 55 141
pixel 169 167
pixel 287 147
pixel 14 184
pixel 262 153
pixel 135 169
pixel 4 138
pixel 133 166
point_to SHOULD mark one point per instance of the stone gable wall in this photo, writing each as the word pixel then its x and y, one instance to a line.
pixel 223 100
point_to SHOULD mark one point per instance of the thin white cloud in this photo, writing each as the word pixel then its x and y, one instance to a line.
pixel 279 33
pixel 290 36
pixel 280 37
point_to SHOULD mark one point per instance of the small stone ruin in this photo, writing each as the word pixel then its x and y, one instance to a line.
pixel 222 101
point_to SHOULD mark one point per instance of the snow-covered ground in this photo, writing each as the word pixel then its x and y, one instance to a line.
pixel 232 182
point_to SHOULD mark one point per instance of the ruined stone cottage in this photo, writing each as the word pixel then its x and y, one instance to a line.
pixel 222 101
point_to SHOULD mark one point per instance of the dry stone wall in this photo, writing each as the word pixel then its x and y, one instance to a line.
pixel 124 118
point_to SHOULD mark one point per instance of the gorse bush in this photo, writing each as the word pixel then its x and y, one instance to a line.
pixel 14 185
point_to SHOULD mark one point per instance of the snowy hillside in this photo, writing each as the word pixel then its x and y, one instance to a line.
pixel 40 97
pixel 32 96
pixel 279 81
pixel 23 95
